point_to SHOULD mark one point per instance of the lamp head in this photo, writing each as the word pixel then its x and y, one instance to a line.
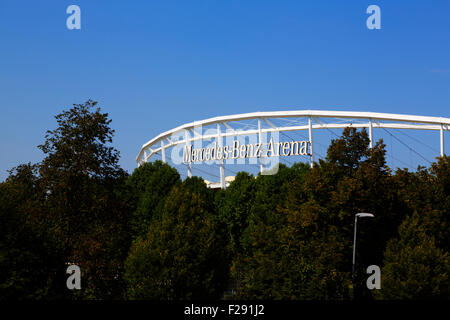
pixel 363 215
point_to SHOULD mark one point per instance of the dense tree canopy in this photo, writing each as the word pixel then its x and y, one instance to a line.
pixel 30 262
pixel 151 235
pixel 414 266
pixel 184 255
pixel 149 185
pixel 81 201
pixel 86 201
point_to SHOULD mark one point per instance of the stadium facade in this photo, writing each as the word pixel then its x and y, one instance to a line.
pixel 259 138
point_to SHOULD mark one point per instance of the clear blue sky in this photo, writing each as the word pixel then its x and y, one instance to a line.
pixel 154 65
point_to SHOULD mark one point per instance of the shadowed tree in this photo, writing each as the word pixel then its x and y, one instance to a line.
pixel 86 199
pixel 258 265
pixel 234 207
pixel 414 266
pixel 184 254
pixel 299 241
pixel 31 266
pixel 150 185
pixel 417 261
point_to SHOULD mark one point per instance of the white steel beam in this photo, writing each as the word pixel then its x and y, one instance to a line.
pixel 227 126
pixel 221 168
pixel 269 123
pixel 311 141
pixel 260 141
pixel 407 122
pixel 186 139
pixel 163 152
pixel 306 127
pixel 308 113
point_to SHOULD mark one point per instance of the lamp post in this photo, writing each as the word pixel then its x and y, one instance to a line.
pixel 358 215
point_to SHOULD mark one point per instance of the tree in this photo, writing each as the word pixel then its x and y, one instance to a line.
pixel 313 250
pixel 439 176
pixel 150 185
pixel 30 262
pixel 257 265
pixel 354 178
pixel 298 244
pixel 86 202
pixel 414 267
pixel 416 261
pixel 78 144
pixel 234 207
pixel 291 253
pixel 184 254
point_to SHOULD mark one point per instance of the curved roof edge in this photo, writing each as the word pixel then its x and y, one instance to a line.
pixel 299 113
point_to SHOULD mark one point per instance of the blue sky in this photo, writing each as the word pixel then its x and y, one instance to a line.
pixel 153 65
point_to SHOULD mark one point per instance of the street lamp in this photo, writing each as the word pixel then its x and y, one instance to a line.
pixel 361 215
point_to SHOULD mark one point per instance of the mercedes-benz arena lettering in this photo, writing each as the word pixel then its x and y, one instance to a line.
pixel 254 138
pixel 251 150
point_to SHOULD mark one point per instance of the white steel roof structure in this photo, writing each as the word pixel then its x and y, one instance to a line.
pixel 316 119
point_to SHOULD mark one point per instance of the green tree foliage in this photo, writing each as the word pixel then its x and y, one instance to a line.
pixel 298 243
pixel 417 261
pixel 150 185
pixel 234 207
pixel 257 267
pixel 30 262
pixel 184 254
pixel 440 185
pixel 415 267
pixel 85 203
pixel 354 178
pixel 283 236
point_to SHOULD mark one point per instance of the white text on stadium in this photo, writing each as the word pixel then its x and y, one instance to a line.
pixel 242 151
